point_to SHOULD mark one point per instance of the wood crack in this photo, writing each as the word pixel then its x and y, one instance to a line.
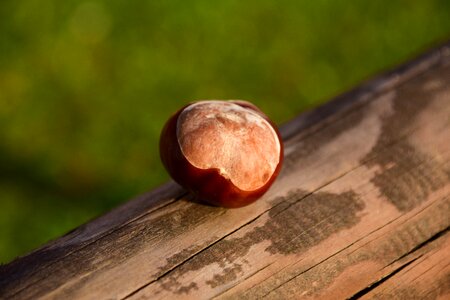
pixel 375 284
pixel 421 245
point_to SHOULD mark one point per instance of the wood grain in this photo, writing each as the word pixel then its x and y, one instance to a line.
pixel 361 209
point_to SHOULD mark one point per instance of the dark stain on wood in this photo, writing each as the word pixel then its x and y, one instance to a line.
pixel 228 274
pixel 408 176
pixel 310 221
pixel 298 224
pixel 182 289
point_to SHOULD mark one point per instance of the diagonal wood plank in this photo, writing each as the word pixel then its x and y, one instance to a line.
pixel 364 189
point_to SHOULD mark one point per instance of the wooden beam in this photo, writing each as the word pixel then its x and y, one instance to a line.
pixel 361 209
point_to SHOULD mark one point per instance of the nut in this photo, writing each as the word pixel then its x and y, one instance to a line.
pixel 228 153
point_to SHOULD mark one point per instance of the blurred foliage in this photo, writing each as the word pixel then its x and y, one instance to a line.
pixel 85 87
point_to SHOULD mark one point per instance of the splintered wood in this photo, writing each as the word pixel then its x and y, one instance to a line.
pixel 360 210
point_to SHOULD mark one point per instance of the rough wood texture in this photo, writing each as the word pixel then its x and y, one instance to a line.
pixel 360 210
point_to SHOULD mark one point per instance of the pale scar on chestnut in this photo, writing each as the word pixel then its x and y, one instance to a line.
pixel 237 141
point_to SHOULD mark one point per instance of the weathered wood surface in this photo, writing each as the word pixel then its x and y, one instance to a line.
pixel 360 210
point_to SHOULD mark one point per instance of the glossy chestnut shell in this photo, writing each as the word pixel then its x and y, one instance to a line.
pixel 227 153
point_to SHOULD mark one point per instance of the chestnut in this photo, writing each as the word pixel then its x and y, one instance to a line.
pixel 227 153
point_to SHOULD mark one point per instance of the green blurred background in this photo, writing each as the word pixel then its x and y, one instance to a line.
pixel 85 87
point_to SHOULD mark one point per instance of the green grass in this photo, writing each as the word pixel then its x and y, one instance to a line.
pixel 85 87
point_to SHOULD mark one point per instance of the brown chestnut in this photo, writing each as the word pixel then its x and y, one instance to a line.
pixel 228 153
